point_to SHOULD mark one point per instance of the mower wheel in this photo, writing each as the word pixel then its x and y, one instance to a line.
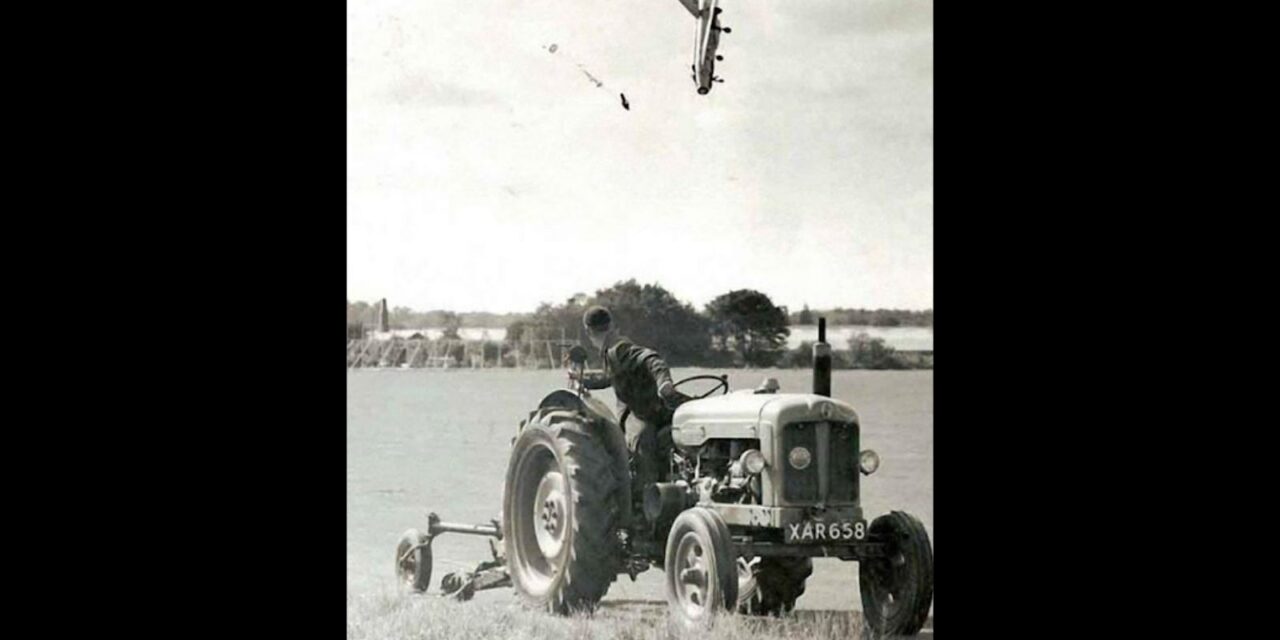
pixel 413 565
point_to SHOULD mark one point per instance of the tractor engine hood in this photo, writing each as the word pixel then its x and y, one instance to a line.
pixel 745 415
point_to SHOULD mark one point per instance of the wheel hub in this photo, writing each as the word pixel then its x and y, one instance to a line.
pixel 550 514
pixel 888 575
pixel 692 571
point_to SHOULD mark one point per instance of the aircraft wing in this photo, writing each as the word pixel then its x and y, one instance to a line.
pixel 691 5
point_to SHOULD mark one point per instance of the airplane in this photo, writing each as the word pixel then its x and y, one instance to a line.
pixel 706 40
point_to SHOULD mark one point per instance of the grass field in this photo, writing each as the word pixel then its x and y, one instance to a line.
pixel 420 441
pixel 418 617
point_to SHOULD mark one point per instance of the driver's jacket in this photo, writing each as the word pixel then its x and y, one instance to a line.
pixel 635 374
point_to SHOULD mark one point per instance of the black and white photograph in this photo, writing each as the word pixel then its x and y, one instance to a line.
pixel 640 319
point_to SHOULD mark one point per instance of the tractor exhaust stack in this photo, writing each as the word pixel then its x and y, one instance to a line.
pixel 822 362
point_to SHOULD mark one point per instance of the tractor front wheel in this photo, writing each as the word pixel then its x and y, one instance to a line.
pixel 897 591
pixel 701 568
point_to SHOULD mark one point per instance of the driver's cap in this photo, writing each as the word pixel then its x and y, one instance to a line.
pixel 597 319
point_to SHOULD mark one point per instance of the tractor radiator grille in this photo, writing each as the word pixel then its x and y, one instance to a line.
pixel 832 474
pixel 801 485
pixel 843 465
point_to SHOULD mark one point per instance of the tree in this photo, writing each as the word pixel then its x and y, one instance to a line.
pixel 402 318
pixel 806 317
pixel 450 322
pixel 360 313
pixel 757 327
pixel 648 315
pixel 651 316
pixel 551 322
pixel 515 330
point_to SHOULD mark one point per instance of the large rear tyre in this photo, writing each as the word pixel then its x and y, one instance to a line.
pixel 776 583
pixel 559 516
pixel 897 591
pixel 413 561
pixel 701 568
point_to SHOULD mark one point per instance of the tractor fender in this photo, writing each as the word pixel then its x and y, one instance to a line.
pixel 566 399
pixel 604 425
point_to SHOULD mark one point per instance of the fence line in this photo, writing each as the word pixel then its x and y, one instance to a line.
pixel 444 353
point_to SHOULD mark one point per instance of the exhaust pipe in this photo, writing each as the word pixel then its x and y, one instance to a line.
pixel 822 362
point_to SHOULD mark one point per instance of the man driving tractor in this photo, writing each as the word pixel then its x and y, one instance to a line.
pixel 642 383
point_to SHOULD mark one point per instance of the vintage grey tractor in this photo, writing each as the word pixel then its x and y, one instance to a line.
pixel 760 483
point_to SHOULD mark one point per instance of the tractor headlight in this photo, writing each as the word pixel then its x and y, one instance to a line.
pixel 868 462
pixel 800 457
pixel 752 462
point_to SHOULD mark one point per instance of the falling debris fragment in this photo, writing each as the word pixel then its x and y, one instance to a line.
pixel 591 77
pixel 594 80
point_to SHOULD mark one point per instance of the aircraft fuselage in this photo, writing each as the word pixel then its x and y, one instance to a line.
pixel 706 41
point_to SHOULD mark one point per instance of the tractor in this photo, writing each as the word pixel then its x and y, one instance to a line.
pixel 760 483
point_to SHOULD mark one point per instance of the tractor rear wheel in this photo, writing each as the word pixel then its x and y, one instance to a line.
pixel 559 515
pixel 777 583
pixel 897 591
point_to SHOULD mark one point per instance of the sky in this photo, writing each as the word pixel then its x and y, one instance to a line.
pixel 487 173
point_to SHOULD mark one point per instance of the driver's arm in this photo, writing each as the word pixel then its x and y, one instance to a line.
pixel 633 356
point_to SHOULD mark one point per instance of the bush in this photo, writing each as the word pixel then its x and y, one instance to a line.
pixel 866 352
pixel 800 357
pixel 719 359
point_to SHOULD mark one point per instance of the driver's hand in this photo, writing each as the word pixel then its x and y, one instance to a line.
pixel 667 391
pixel 670 397
pixel 676 400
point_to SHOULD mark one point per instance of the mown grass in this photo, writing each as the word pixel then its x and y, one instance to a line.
pixel 390 616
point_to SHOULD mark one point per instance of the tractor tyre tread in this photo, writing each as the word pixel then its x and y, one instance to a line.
pixel 918 555
pixel 590 566
pixel 781 582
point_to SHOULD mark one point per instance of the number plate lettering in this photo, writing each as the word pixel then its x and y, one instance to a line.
pixel 818 532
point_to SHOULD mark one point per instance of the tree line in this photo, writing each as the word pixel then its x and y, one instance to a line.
pixel 366 314
pixel 742 327
pixel 865 317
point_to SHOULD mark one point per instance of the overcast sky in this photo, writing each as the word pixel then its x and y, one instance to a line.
pixel 486 173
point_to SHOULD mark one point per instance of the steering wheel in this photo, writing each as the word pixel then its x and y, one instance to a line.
pixel 722 380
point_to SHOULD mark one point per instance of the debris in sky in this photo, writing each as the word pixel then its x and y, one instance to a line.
pixel 593 78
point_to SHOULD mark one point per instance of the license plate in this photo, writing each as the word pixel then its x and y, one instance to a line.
pixel 809 531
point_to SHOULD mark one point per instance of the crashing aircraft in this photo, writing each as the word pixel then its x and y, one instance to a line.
pixel 706 40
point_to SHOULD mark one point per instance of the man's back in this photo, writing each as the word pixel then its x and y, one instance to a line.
pixel 636 372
